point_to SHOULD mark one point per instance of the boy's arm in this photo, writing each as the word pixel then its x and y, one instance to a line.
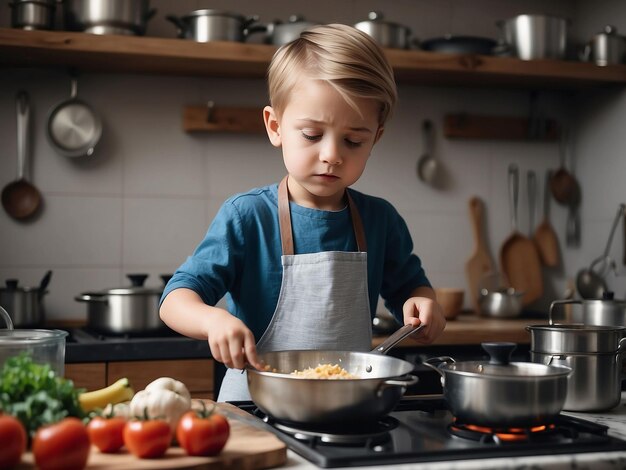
pixel 422 307
pixel 231 342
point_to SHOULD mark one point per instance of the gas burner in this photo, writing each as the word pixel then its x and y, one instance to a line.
pixel 488 435
pixel 371 435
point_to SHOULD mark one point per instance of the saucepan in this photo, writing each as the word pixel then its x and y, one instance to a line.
pixel 381 382
pixel 500 393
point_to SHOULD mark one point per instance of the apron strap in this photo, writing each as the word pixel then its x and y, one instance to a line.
pixel 284 220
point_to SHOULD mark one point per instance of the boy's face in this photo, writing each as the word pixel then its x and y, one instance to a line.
pixel 325 142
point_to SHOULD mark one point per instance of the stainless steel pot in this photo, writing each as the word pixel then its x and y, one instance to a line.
pixel 126 310
pixel 605 48
pixel 385 33
pixel 25 304
pixel 500 393
pixel 595 355
pixel 32 14
pixel 127 17
pixel 501 303
pixel 278 33
pixel 382 382
pixel 606 311
pixel 536 36
pixel 214 25
pixel 44 346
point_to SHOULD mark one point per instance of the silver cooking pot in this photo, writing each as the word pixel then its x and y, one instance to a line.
pixel 278 33
pixel 215 25
pixel 535 36
pixel 382 382
pixel 25 304
pixel 500 393
pixel 385 33
pixel 32 14
pixel 127 17
pixel 606 311
pixel 125 310
pixel 595 355
pixel 605 48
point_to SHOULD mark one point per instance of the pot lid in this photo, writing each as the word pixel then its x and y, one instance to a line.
pixel 137 287
pixel 378 18
pixel 499 365
pixel 209 12
pixel 608 297
pixel 12 285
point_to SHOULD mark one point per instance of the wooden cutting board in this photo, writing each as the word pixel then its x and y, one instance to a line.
pixel 480 263
pixel 248 448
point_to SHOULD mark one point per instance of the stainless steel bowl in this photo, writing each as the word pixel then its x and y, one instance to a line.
pixel 127 17
pixel 501 303
pixel 533 37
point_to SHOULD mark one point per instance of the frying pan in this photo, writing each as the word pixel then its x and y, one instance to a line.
pixel 73 128
pixel 381 382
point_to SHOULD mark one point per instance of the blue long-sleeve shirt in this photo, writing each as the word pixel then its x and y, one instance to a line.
pixel 240 256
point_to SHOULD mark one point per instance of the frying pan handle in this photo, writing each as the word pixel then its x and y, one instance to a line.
pixel 435 363
pixel 513 194
pixel 396 337
pixel 403 382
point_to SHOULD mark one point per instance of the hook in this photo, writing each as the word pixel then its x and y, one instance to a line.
pixel 210 110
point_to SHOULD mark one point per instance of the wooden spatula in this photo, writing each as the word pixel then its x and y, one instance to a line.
pixel 519 258
pixel 480 263
pixel 545 238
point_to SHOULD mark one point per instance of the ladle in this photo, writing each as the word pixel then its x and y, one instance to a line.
pixel 427 165
pixel 21 199
pixel 563 185
pixel 591 284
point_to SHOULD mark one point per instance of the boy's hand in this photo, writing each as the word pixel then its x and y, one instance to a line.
pixel 424 310
pixel 231 341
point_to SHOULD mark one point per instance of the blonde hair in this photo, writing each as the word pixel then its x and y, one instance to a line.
pixel 344 57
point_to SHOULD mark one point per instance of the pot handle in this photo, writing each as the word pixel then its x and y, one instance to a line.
pixel 435 363
pixel 91 298
pixel 179 23
pixel 403 382
pixel 396 337
pixel 560 302
pixel 7 319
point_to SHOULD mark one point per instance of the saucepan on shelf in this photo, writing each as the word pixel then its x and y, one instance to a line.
pixel 127 17
pixel 532 37
pixel 215 25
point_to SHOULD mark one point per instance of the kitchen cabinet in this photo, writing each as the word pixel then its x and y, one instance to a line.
pixel 196 374
pixel 124 54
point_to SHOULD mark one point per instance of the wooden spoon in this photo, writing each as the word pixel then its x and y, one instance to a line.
pixel 545 238
pixel 21 199
pixel 480 263
pixel 519 259
pixel 563 185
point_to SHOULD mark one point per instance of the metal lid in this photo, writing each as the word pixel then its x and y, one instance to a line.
pixel 209 12
pixel 522 370
pixel 575 338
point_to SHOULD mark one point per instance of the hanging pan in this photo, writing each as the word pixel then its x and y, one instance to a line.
pixel 73 127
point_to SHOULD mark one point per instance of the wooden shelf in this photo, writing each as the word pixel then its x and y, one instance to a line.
pixel 124 54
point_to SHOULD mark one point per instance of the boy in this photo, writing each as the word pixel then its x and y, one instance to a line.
pixel 302 263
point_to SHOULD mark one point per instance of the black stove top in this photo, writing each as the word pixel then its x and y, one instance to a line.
pixel 421 429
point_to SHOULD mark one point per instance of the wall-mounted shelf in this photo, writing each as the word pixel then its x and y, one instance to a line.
pixel 215 118
pixel 468 126
pixel 124 54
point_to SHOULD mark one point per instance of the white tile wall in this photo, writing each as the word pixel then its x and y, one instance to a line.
pixel 145 199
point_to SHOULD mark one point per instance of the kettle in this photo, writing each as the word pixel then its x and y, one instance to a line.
pixel 605 48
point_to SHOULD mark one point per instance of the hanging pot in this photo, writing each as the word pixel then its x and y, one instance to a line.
pixel 500 393
pixel 125 310
pixel 74 129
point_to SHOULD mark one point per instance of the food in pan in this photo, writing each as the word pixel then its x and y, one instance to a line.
pixel 325 372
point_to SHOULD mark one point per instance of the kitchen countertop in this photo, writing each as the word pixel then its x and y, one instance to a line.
pixel 615 419
pixel 467 329
pixel 470 328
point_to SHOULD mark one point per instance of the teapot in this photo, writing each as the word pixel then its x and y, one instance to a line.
pixel 605 48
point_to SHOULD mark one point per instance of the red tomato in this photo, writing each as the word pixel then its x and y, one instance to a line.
pixel 107 434
pixel 147 439
pixel 200 433
pixel 13 439
pixel 64 445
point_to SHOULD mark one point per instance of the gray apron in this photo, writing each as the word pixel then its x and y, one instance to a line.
pixel 323 301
